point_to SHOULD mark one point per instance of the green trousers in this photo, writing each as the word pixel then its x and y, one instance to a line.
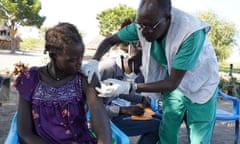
pixel 200 118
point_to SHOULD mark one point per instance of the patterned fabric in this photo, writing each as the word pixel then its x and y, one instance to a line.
pixel 58 112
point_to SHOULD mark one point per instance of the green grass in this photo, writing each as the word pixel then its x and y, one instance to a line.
pixel 31 43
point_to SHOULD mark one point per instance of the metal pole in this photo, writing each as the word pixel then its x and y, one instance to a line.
pixel 231 70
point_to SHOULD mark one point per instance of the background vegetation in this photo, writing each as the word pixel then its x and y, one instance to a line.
pixel 223 34
pixel 14 13
pixel 30 43
pixel 110 19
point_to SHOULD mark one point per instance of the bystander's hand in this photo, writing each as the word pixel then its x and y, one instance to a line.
pixel 132 110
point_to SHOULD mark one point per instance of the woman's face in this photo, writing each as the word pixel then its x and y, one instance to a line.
pixel 70 61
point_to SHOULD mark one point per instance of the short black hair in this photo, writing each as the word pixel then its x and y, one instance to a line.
pixel 59 37
pixel 165 6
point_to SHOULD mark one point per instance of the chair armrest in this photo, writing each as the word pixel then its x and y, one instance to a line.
pixel 235 101
pixel 118 135
pixel 12 137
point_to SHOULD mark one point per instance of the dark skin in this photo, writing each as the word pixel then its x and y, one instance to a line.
pixel 149 14
pixel 133 109
pixel 65 66
pixel 133 62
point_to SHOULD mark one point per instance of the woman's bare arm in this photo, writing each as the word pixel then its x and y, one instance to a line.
pixel 106 45
pixel 99 118
pixel 25 124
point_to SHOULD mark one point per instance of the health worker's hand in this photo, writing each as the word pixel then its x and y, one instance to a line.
pixel 89 68
pixel 113 87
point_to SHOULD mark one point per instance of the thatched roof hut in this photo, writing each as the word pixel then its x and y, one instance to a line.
pixel 94 43
pixel 7 41
pixel 4 33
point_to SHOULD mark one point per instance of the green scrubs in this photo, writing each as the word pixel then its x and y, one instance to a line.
pixel 200 117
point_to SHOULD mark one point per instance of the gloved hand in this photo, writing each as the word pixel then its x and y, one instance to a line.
pixel 105 90
pixel 113 87
pixel 89 68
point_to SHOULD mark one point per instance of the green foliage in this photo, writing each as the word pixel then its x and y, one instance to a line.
pixel 111 19
pixel 21 12
pixel 222 35
pixel 31 43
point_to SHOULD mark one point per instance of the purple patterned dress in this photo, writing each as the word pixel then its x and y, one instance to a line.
pixel 58 112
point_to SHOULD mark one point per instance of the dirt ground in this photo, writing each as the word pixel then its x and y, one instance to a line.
pixel 223 131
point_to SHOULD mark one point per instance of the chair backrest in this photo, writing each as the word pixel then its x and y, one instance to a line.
pixel 118 136
pixel 224 115
pixel 230 116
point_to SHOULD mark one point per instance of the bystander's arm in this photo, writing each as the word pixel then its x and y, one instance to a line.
pixel 105 46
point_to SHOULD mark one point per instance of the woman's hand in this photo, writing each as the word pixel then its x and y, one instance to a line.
pixel 132 110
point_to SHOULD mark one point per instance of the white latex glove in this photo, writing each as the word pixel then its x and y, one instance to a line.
pixel 113 87
pixel 105 90
pixel 89 68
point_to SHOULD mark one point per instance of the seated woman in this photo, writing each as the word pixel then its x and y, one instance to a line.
pixel 53 97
